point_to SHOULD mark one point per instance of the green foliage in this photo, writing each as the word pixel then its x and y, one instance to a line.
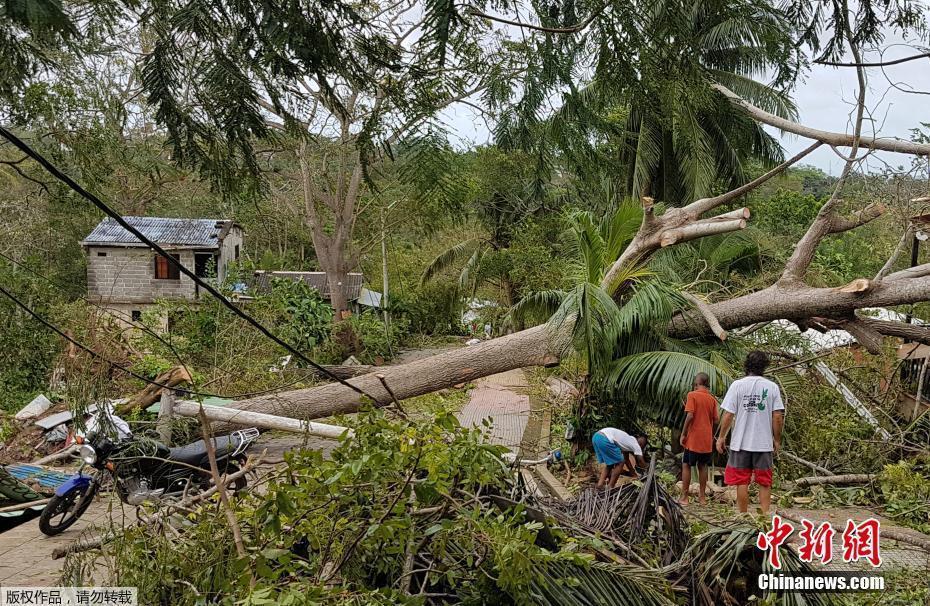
pixel 350 517
pixel 905 489
pixel 27 349
pixel 786 213
pixel 365 337
pixel 308 318
pixel 831 432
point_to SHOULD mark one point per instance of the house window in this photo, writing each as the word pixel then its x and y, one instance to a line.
pixel 136 315
pixel 165 270
pixel 101 254
pixel 204 265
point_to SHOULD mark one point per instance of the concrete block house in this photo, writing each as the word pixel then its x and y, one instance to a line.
pixel 125 276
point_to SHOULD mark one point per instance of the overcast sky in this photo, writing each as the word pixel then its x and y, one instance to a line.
pixel 824 99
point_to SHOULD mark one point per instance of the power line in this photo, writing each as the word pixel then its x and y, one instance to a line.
pixel 51 168
pixel 119 366
pixel 156 336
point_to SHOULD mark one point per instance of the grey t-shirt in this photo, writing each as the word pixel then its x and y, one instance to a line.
pixel 753 400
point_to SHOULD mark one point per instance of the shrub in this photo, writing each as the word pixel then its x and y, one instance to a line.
pixel 906 492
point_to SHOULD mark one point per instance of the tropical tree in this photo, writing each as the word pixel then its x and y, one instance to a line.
pixel 658 130
pixel 501 201
pixel 680 141
pixel 619 327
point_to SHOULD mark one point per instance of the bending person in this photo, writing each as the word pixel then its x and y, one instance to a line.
pixel 616 451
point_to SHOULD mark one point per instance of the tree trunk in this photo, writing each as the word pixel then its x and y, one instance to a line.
pixel 543 345
pixel 533 347
pixel 337 280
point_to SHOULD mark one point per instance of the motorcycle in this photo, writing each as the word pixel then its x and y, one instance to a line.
pixel 143 470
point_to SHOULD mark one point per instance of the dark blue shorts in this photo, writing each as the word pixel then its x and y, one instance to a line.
pixel 692 458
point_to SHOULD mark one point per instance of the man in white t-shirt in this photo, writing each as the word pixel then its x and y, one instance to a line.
pixel 754 408
pixel 615 450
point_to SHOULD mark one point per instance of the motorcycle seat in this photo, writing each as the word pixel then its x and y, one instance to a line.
pixel 196 452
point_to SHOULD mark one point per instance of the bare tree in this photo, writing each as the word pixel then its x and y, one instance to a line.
pixel 344 130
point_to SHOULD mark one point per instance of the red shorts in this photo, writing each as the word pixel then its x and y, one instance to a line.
pixel 743 465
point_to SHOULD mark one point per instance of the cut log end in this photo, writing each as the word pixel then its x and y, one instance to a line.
pixel 859 285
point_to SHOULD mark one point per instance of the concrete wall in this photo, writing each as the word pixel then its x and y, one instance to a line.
pixel 117 275
pixel 127 275
pixel 228 251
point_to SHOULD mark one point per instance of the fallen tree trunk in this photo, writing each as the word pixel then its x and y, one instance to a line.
pixel 543 345
pixel 841 480
pixel 537 346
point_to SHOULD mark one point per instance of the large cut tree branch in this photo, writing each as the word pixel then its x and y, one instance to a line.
pixel 865 335
pixel 826 223
pixel 830 138
pixel 901 330
pixel 543 345
pixel 538 346
pixel 798 302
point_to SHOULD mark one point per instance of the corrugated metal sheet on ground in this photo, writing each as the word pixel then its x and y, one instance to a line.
pixel 161 230
pixel 48 479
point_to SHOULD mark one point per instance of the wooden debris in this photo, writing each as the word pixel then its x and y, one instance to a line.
pixel 148 396
pixel 186 408
pixel 840 480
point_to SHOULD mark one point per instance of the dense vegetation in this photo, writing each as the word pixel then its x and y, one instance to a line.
pixel 320 128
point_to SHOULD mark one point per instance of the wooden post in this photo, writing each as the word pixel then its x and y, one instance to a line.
pixel 165 416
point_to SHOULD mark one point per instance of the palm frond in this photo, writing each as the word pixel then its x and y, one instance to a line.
pixel 588 243
pixel 446 258
pixel 618 228
pixel 567 584
pixel 467 280
pixel 657 381
pixel 593 316
pixel 539 304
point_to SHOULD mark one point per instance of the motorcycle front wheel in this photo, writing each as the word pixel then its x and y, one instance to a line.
pixel 63 511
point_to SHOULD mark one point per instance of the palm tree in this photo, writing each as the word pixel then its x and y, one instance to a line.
pixel 661 129
pixel 501 201
pixel 620 331
pixel 681 138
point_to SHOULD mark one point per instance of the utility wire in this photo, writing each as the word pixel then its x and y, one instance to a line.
pixel 119 366
pixel 141 326
pixel 51 168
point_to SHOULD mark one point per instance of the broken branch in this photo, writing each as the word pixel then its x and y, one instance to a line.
pixel 709 316
pixel 700 229
pixel 840 480
pixel 830 138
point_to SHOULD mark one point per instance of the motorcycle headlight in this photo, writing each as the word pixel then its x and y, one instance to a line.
pixel 88 454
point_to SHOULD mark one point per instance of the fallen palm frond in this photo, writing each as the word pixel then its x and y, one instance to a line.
pixel 632 514
pixel 721 568
pixel 569 585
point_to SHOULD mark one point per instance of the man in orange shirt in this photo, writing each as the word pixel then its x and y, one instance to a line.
pixel 697 437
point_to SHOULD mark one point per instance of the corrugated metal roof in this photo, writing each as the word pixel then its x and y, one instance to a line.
pixel 261 282
pixel 202 233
